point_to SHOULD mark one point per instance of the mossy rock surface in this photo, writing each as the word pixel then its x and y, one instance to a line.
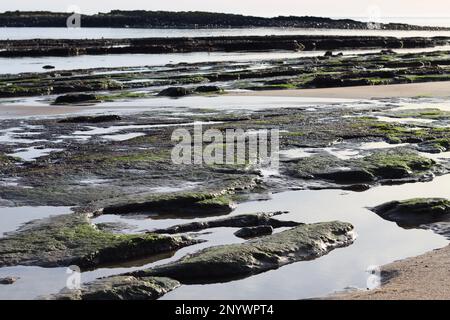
pixel 415 212
pixel 183 204
pixel 119 288
pixel 236 261
pixel 72 240
pixel 381 165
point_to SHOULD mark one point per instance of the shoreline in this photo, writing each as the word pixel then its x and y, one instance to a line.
pixel 438 89
pixel 418 278
pixel 414 90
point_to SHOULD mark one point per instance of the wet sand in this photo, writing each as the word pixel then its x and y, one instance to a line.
pixel 427 89
pixel 421 278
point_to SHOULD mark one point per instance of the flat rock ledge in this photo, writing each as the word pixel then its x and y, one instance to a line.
pixel 119 288
pixel 239 221
pixel 73 240
pixel 237 261
pixel 415 212
pixel 219 264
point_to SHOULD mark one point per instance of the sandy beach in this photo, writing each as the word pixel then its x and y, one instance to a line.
pixel 427 89
pixel 419 278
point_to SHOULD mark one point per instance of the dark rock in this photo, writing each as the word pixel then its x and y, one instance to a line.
pixel 347 175
pixel 253 232
pixel 387 52
pixel 415 212
pixel 91 119
pixel 245 220
pixel 119 288
pixel 48 67
pixel 237 261
pixel 174 92
pixel 72 240
pixel 76 98
pixel 329 54
pixel 386 166
pixel 357 187
pixel 208 89
pixel 8 280
pixel 183 205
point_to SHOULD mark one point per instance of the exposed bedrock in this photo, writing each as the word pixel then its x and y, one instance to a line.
pixel 240 221
pixel 72 240
pixel 74 47
pixel 237 261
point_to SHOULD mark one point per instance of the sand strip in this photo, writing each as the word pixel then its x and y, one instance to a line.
pixel 421 278
pixel 427 89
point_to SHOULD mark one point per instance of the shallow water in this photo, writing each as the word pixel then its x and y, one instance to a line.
pixel 12 218
pixel 32 153
pixel 379 241
pixel 35 64
pixel 98 33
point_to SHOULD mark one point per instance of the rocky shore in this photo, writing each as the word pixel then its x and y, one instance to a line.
pixel 71 47
pixel 178 80
pixel 117 165
pixel 166 19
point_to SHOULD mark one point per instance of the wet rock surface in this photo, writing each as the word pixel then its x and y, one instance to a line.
pixel 91 119
pixel 75 98
pixel 71 47
pixel 168 19
pixel 237 261
pixel 253 232
pixel 415 212
pixel 179 80
pixel 72 240
pixel 8 280
pixel 119 288
pixel 120 166
pixel 247 220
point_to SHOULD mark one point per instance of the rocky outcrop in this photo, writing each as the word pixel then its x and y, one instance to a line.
pixel 76 98
pixel 240 221
pixel 191 19
pixel 415 212
pixel 72 240
pixel 184 204
pixel 8 280
pixel 238 261
pixel 208 89
pixel 385 166
pixel 174 92
pixel 253 232
pixel 75 47
pixel 91 119
pixel 119 288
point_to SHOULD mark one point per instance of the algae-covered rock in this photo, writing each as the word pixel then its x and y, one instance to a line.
pixel 184 204
pixel 239 221
pixel 383 165
pixel 253 232
pixel 91 119
pixel 238 261
pixel 119 288
pixel 174 92
pixel 72 240
pixel 415 212
pixel 75 98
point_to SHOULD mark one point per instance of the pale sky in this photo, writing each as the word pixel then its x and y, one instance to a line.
pixel 331 8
